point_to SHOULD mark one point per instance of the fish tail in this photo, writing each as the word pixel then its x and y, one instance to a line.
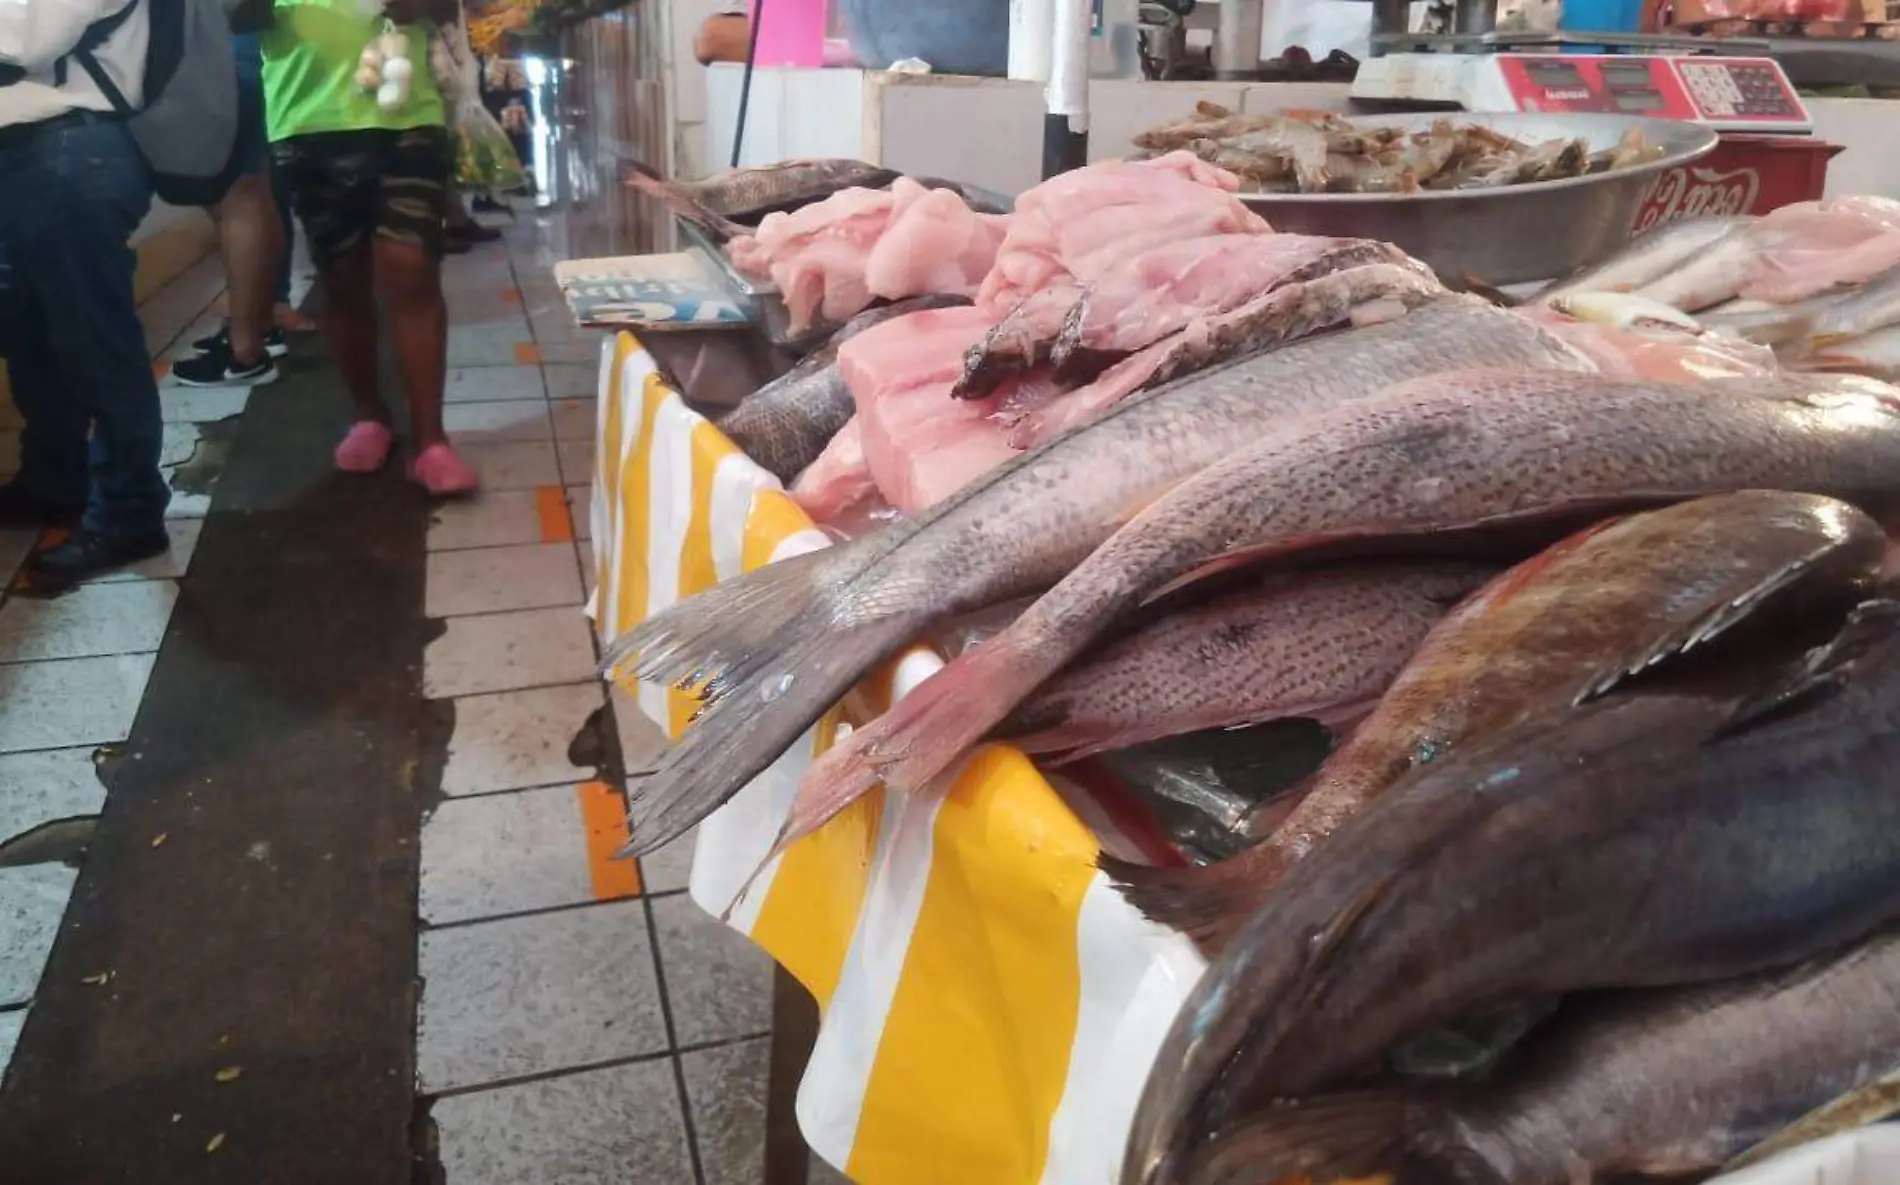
pixel 697 641
pixel 922 735
pixel 1208 903
pixel 762 708
pixel 1338 1137
pixel 643 178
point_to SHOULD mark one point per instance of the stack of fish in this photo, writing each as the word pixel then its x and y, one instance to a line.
pixel 1818 281
pixel 1616 689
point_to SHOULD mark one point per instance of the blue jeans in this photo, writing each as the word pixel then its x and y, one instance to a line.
pixel 75 191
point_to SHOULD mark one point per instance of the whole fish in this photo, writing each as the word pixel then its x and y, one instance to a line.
pixel 1875 354
pixel 773 650
pixel 785 424
pixel 1320 645
pixel 1768 324
pixel 1875 305
pixel 1615 599
pixel 1673 836
pixel 1648 257
pixel 739 194
pixel 1625 311
pixel 1449 453
pixel 1664 1083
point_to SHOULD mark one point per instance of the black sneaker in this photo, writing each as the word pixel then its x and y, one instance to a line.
pixel 217 368
pixel 86 554
pixel 274 343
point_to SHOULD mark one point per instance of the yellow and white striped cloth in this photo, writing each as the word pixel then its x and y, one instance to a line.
pixel 991 1006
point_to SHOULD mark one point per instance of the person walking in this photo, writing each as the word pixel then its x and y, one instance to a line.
pixel 371 185
pixel 252 237
pixel 75 189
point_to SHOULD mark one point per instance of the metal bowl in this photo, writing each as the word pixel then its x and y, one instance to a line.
pixel 1513 233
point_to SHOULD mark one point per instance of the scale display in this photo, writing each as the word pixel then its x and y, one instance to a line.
pixel 1738 93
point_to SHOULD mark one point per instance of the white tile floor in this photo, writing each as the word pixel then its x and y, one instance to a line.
pixel 579 1015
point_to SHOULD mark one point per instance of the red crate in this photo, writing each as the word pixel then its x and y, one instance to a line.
pixel 1748 173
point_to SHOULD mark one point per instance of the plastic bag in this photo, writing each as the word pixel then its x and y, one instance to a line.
pixel 485 160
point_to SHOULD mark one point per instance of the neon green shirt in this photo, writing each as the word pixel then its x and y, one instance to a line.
pixel 310 60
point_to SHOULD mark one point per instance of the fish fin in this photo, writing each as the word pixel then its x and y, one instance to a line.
pixel 1709 626
pixel 1206 903
pixel 1492 293
pixel 690 642
pixel 1819 675
pixel 836 780
pixel 1330 1138
pixel 639 176
pixel 758 717
pixel 950 713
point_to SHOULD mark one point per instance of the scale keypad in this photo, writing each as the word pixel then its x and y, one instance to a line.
pixel 1728 90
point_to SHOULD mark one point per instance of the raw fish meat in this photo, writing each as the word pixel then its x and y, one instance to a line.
pixel 831 258
pixel 920 446
pixel 934 244
pixel 838 480
pixel 1789 254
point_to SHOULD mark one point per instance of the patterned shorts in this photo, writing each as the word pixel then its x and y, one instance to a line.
pixel 347 186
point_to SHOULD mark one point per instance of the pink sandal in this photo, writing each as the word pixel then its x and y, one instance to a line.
pixel 365 448
pixel 441 470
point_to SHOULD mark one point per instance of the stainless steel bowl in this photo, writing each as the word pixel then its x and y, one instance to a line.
pixel 1510 234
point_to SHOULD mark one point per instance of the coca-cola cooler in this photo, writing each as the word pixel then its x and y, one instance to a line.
pixel 1748 173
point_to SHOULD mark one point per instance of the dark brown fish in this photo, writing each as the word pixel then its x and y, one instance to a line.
pixel 1651 838
pixel 1557 629
pixel 1320 645
pixel 720 203
pixel 785 424
pixel 1664 1083
pixel 777 647
pixel 1450 454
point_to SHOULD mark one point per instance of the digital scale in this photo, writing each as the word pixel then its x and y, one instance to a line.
pixel 1730 94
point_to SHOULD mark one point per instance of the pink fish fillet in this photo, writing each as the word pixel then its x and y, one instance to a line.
pixel 838 482
pixel 934 244
pixel 920 445
pixel 816 255
pixel 1789 275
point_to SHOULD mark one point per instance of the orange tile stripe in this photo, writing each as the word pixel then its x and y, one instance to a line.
pixel 527 354
pixel 557 522
pixel 161 370
pixel 511 295
pixel 604 815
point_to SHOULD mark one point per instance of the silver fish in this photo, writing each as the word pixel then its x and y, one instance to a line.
pixel 1646 258
pixel 777 647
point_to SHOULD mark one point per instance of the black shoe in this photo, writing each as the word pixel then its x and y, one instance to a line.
pixel 274 343
pixel 87 553
pixel 216 367
pixel 21 511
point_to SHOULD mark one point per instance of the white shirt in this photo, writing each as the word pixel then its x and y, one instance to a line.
pixel 38 34
pixel 1318 26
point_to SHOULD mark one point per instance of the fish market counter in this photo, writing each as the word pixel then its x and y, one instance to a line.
pixel 988 1001
pixel 990 1006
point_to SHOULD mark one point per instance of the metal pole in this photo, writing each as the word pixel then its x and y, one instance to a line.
pixel 1030 24
pixel 1065 126
pixel 745 83
pixel 1237 39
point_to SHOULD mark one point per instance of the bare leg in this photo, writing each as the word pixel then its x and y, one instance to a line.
pixel 349 321
pixel 250 234
pixel 410 280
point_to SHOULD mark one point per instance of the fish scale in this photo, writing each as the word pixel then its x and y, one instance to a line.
pixel 1451 452
pixel 1676 835
pixel 831 619
pixel 1561 626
